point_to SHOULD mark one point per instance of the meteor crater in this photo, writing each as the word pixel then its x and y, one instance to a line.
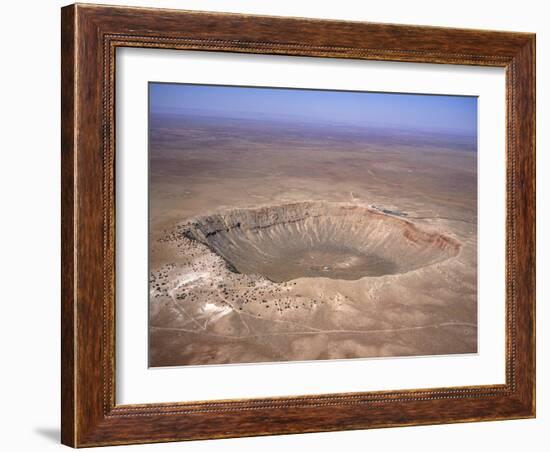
pixel 319 239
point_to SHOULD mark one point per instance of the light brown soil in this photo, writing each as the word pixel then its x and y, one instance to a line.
pixel 272 246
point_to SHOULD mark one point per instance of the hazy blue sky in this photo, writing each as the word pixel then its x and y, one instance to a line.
pixel 405 111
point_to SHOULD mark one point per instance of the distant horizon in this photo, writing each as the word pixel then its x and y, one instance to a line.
pixel 433 113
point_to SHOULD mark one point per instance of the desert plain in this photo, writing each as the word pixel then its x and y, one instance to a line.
pixel 288 240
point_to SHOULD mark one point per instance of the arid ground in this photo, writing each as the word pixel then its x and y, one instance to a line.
pixel 281 240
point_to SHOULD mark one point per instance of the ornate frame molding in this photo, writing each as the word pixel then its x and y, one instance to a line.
pixel 90 37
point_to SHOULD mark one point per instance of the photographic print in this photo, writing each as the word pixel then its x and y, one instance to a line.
pixel 298 224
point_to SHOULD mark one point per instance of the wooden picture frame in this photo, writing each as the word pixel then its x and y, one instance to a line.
pixel 90 36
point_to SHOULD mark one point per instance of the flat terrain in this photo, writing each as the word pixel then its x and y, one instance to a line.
pixel 282 241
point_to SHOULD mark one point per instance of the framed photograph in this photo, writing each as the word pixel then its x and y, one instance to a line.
pixel 281 225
